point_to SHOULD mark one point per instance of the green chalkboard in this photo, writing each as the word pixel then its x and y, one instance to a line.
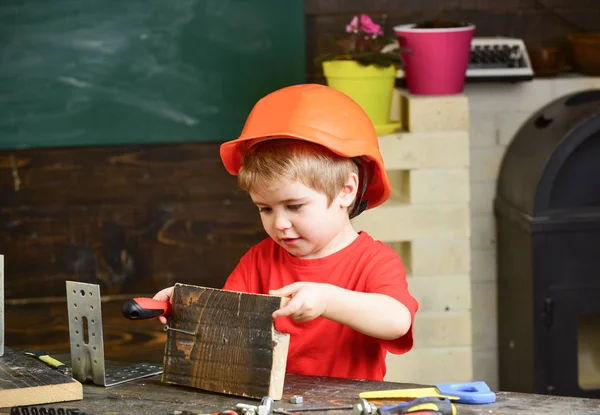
pixel 105 72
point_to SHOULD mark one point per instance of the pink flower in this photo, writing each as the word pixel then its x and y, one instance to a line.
pixel 367 25
pixel 353 26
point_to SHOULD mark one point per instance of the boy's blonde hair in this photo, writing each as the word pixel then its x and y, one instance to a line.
pixel 268 163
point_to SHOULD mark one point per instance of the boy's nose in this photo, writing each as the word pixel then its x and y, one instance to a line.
pixel 282 222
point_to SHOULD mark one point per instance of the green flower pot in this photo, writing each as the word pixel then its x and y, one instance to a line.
pixel 370 86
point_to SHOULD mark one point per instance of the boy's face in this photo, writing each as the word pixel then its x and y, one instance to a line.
pixel 301 220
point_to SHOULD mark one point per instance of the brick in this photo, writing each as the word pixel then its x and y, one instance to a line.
pixel 440 256
pixel 442 329
pixel 439 185
pixel 431 366
pixel 430 185
pixel 435 113
pixel 441 293
pixel 403 249
pixel 485 327
pixel 522 96
pixel 404 151
pixel 400 222
pixel 400 184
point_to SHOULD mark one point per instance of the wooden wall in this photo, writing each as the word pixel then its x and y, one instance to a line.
pixel 137 219
pixel 131 219
pixel 537 22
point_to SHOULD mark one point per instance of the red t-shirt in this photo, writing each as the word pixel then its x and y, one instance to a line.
pixel 323 347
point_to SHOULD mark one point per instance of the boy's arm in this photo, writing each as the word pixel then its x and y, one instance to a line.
pixel 376 315
pixel 380 306
pixel 373 314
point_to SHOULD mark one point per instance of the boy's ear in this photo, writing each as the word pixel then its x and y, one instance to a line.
pixel 348 192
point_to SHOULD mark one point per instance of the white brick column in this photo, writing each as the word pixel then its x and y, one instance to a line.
pixel 427 221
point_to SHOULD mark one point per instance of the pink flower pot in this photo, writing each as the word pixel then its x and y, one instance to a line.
pixel 437 60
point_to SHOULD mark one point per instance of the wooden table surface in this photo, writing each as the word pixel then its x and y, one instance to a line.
pixel 151 396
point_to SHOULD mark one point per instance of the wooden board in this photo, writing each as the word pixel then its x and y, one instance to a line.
pixel 236 349
pixel 25 380
pixel 132 219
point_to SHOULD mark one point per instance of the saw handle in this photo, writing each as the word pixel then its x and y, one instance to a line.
pixel 145 308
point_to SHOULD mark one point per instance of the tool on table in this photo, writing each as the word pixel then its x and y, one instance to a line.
pixel 145 308
pixel 433 405
pixel 430 404
pixel 42 410
pixel 314 409
pixel 87 344
pixel 264 408
pixel 225 412
pixel 469 392
pixel 50 361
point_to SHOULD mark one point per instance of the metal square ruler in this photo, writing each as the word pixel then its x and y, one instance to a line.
pixel 87 344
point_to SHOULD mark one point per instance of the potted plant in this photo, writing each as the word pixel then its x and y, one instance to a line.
pixel 365 69
pixel 436 55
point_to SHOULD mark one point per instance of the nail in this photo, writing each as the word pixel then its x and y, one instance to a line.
pixel 167 328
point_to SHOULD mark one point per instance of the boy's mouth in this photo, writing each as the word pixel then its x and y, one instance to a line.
pixel 290 241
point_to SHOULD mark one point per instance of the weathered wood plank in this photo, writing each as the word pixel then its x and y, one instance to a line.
pixel 28 381
pixel 124 248
pixel 120 174
pixel 236 349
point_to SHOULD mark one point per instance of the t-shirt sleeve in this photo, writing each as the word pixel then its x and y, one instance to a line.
pixel 388 276
pixel 238 280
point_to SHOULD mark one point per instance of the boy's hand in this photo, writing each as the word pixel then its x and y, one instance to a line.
pixel 164 295
pixel 309 300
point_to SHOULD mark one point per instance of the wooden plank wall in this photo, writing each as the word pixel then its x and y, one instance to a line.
pixel 132 219
pixel 135 219
pixel 537 22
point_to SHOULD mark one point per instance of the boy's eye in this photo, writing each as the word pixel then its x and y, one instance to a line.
pixel 264 209
pixel 294 207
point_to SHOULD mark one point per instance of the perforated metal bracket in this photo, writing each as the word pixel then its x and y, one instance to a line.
pixel 87 344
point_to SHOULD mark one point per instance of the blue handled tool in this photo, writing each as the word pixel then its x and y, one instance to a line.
pixel 469 392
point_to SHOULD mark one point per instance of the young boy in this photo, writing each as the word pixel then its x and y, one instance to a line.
pixel 309 158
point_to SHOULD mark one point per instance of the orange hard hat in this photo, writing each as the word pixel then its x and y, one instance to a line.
pixel 320 115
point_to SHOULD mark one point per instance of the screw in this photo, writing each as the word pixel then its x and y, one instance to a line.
pixel 167 328
pixel 364 407
pixel 246 406
pixel 296 399
pixel 266 405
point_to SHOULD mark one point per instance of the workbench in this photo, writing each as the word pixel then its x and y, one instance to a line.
pixel 151 396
